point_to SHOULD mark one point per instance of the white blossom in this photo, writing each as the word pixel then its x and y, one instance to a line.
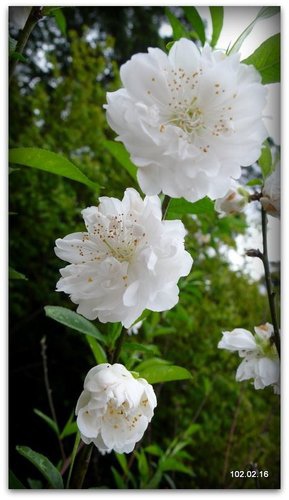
pixel 271 193
pixel 233 202
pixel 128 260
pixel 261 361
pixel 114 409
pixel 189 119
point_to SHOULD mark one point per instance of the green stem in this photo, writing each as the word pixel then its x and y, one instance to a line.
pixel 165 205
pixel 33 18
pixel 270 293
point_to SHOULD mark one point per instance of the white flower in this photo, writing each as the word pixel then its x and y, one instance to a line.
pixel 233 202
pixel 18 16
pixel 135 328
pixel 114 409
pixel 127 261
pixel 260 361
pixel 189 119
pixel 271 193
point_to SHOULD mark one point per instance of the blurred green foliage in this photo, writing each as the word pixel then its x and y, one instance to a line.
pixel 203 428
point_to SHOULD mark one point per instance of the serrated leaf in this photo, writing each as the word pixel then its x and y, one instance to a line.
pixel 195 19
pixel 217 16
pixel 119 152
pixel 263 13
pixel 179 207
pixel 14 483
pixel 53 425
pixel 15 275
pixel 164 373
pixel 60 20
pixel 178 29
pixel 75 321
pixel 53 163
pixel 266 59
pixel 43 464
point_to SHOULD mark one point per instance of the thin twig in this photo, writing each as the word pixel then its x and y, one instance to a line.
pixel 82 467
pixel 33 18
pixel 49 392
pixel 165 205
pixel 270 293
pixel 231 437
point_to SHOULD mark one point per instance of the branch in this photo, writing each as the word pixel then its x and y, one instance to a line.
pixel 49 392
pixel 270 293
pixel 33 18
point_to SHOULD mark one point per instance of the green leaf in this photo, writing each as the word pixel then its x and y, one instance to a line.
pixel 263 13
pixel 43 464
pixel 75 321
pixel 154 449
pixel 53 425
pixel 119 152
pixel 42 159
pixel 217 15
pixel 265 160
pixel 14 483
pixel 97 350
pixel 171 464
pixel 254 182
pixel 164 373
pixel 73 455
pixel 178 29
pixel 118 479
pixel 12 45
pixel 18 56
pixel 195 19
pixel 179 207
pixel 35 484
pixel 69 428
pixel 114 332
pixel 15 275
pixel 60 20
pixel 151 362
pixel 266 59
pixel 136 347
pixel 143 465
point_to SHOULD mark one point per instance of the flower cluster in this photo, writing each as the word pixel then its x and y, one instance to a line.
pixel 189 119
pixel 114 409
pixel 128 260
pixel 260 358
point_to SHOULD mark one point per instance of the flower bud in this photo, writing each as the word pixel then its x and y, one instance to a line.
pixel 271 193
pixel 233 202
